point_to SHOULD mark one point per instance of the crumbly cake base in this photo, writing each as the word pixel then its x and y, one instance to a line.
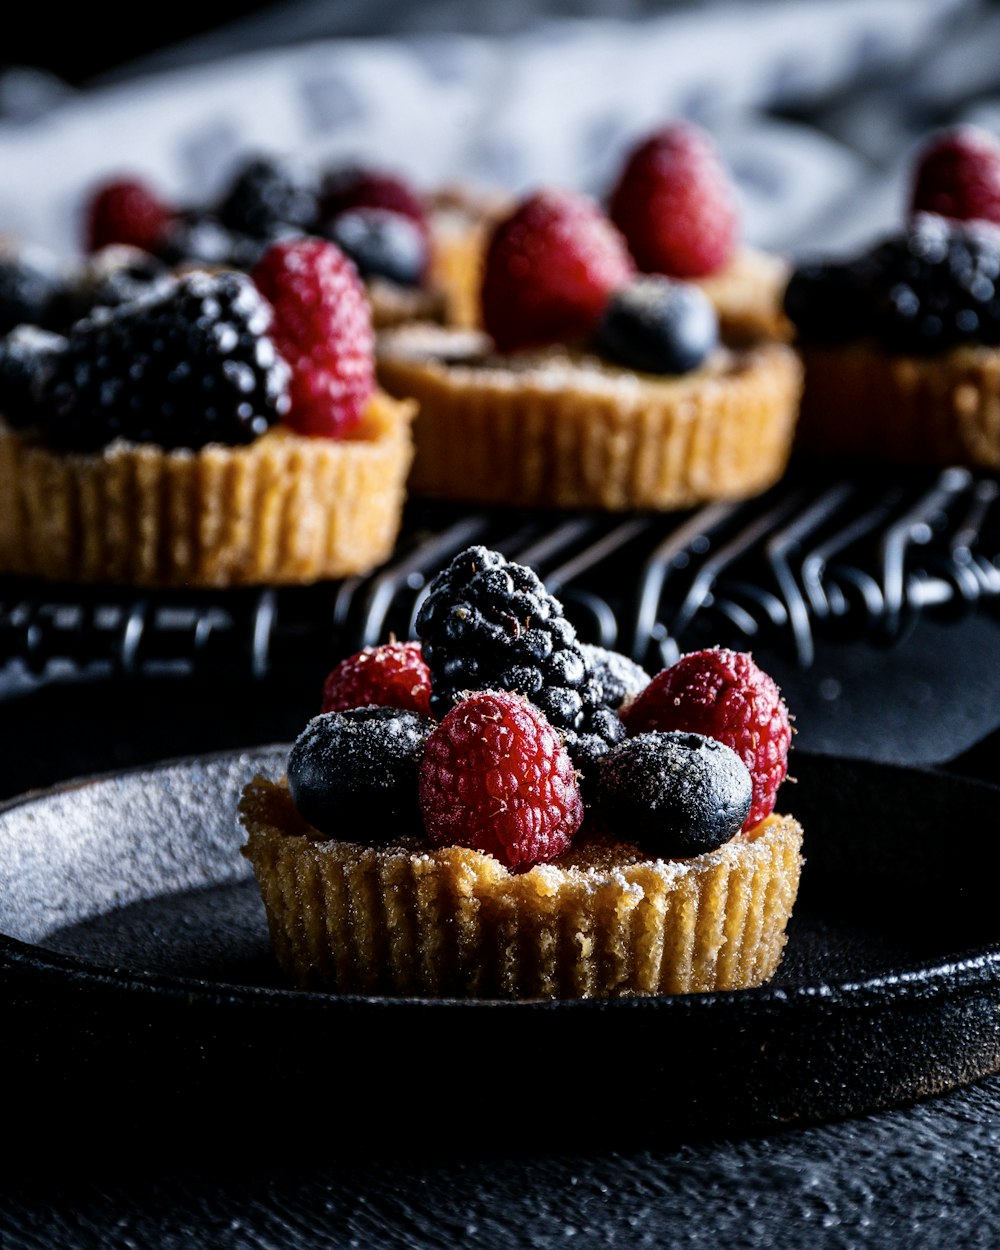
pixel 567 430
pixel 600 921
pixel 283 509
pixel 860 401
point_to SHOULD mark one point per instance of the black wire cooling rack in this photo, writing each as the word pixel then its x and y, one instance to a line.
pixel 827 552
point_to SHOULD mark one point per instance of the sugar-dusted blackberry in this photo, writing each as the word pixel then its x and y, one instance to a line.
pixel 938 284
pixel 183 367
pixel 490 624
pixel 266 194
pixel 353 774
pixel 382 244
pixel 674 794
pixel 28 288
pixel 28 356
pixel 618 676
pixel 829 301
pixel 656 325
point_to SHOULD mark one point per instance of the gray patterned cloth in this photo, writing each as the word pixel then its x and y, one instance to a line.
pixel 816 104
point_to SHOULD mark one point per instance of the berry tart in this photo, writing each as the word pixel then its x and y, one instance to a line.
pixel 678 210
pixel 589 386
pixel 495 809
pixel 901 342
pixel 200 428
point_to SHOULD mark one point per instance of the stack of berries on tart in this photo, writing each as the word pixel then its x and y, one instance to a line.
pixel 196 427
pixel 593 385
pixel 418 254
pixel 500 810
pixel 901 342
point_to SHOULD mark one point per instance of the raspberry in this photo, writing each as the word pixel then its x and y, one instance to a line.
pixel 126 211
pixel 724 695
pixel 549 271
pixel 323 328
pixel 496 777
pixel 957 175
pixel 350 188
pixel 675 204
pixel 391 675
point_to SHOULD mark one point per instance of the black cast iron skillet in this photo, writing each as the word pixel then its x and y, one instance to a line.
pixel 139 986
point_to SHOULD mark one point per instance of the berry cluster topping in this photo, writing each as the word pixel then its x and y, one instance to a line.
pixel 549 270
pixel 724 695
pixel 488 623
pixel 391 675
pixel 957 175
pixel 477 735
pixel 323 328
pixel 675 204
pixel 359 766
pixel 930 287
pixel 265 201
pixel 190 365
pixel 496 776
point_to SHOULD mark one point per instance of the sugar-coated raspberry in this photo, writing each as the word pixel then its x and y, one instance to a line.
pixel 724 695
pixel 496 777
pixel 360 187
pixel 126 211
pixel 391 675
pixel 676 205
pixel 957 175
pixel 550 268
pixel 323 328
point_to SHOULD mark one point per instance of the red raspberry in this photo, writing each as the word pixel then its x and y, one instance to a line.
pixel 550 268
pixel 496 777
pixel 125 211
pixel 323 329
pixel 392 675
pixel 372 188
pixel 724 695
pixel 957 175
pixel 675 204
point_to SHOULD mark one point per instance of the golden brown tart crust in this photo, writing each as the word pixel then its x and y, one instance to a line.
pixel 602 920
pixel 282 509
pixel 563 429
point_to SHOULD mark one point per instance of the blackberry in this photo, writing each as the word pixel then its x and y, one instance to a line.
pixel 267 194
pixel 938 284
pixel 656 325
pixel 182 367
pixel 355 773
pixel 828 301
pixel 677 794
pixel 28 356
pixel 28 288
pixel 490 624
pixel 382 244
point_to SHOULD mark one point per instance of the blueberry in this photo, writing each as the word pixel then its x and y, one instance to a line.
pixel 618 677
pixel 382 244
pixel 29 286
pixel 828 302
pixel 353 774
pixel 266 194
pixel 657 325
pixel 674 794
pixel 28 356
